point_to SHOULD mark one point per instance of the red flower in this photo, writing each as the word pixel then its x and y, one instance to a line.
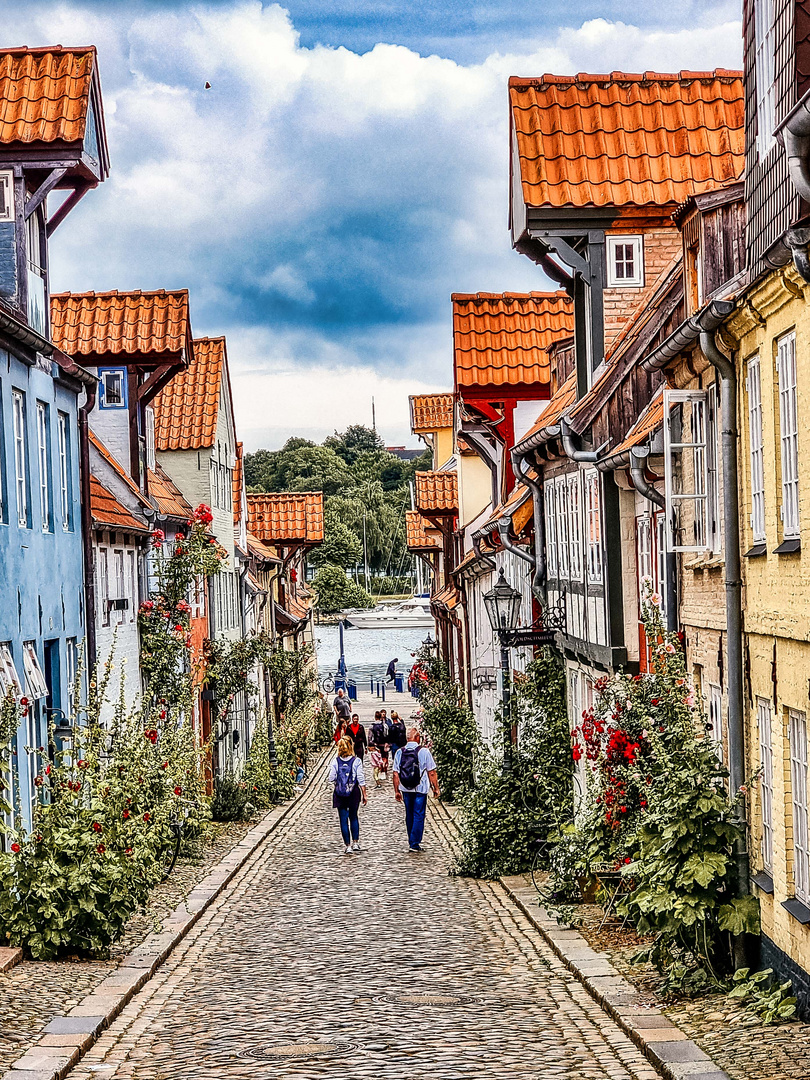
pixel 96 827
pixel 146 817
pixel 81 763
pixel 47 770
pixel 576 753
pixel 77 786
pixel 126 814
pixel 101 849
pixel 165 765
pixel 128 851
pixel 627 860
pixel 623 809
pixel 178 791
pixel 39 781
pixel 24 701
pixel 15 847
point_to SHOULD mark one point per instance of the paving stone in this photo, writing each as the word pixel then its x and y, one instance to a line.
pixel 74 1025
pixel 9 958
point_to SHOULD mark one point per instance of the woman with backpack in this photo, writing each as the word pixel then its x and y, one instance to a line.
pixel 346 773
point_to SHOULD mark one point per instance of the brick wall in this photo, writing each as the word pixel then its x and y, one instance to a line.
pixel 661 246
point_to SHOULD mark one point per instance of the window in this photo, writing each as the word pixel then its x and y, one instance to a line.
pixel 797 730
pixel 149 420
pixel 112 389
pixel 9 679
pixel 789 434
pixel 70 674
pixel 132 585
pixel 625 261
pixel 103 585
pixel 644 557
pixel 561 503
pixel 690 470
pixel 37 303
pixel 43 448
pixel 754 387
pixel 65 493
pixel 575 527
pixel 118 586
pixel 20 456
pixel 766 781
pixel 7 195
pixel 764 67
pixel 550 510
pixel 35 684
pixel 660 577
pixel 716 718
pixel 594 512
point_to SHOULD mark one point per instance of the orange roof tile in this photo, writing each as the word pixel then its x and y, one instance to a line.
pixel 565 397
pixel 468 560
pixel 237 478
pixel 107 512
pixel 121 323
pixel 45 94
pixel 623 139
pixel 169 498
pixel 437 492
pixel 502 339
pixel 417 537
pixel 260 550
pixel 431 412
pixel 510 507
pixel 118 469
pixel 651 419
pixel 287 517
pixel 186 409
pixel 447 597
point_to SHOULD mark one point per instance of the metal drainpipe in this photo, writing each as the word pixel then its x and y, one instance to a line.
pixel 588 456
pixel 796 139
pixel 645 488
pixel 540 565
pixel 503 532
pixel 87 528
pixel 733 582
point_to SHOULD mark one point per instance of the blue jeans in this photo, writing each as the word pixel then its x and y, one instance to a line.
pixel 415 806
pixel 348 821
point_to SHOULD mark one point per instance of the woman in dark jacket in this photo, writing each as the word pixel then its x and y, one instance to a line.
pixel 357 733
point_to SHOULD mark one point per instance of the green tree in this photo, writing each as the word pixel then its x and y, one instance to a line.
pixel 334 591
pixel 340 547
pixel 352 442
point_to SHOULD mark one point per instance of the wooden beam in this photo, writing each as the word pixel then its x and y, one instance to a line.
pixel 62 212
pixel 156 381
pixel 44 189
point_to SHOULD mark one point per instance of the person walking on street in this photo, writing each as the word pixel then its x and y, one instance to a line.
pixel 346 773
pixel 414 776
pixel 391 674
pixel 397 736
pixel 340 730
pixel 357 733
pixel 377 741
pixel 343 710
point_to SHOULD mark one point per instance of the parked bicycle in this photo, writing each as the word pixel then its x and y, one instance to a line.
pixel 327 683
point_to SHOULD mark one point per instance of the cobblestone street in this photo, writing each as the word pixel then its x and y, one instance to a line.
pixel 315 964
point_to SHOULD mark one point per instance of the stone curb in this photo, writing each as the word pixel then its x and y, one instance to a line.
pixel 674 1055
pixel 66 1039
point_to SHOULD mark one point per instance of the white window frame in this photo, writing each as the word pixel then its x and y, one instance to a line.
pixel 20 456
pixel 35 684
pixel 574 505
pixel 44 466
pixel 765 74
pixel 7 195
pixel 644 555
pixel 131 584
pixel 659 536
pixel 550 511
pixel 753 385
pixel 103 375
pixel 702 444
pixel 37 288
pixel 788 434
pixel 103 584
pixel 560 503
pixel 715 716
pixel 65 492
pixel 765 731
pixel 119 582
pixel 71 664
pixel 9 679
pixel 797 735
pixel 149 424
pixel 617 257
pixel 593 511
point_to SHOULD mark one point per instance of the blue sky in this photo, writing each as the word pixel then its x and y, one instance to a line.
pixel 344 174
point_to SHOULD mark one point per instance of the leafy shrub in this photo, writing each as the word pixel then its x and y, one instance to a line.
pixel 772 1002
pixel 335 591
pixel 231 797
pixel 450 725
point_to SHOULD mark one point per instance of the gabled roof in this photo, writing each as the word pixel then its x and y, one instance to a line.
pixel 437 492
pixel 417 538
pixel 118 469
pixel 237 481
pixel 122 324
pixel 107 512
pixel 622 139
pixel 501 339
pixel 431 412
pixel 287 517
pixel 169 498
pixel 186 409
pixel 550 417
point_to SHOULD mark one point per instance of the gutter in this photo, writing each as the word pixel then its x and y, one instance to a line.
pixel 87 527
pixel 708 319
pixel 794 134
pixel 571 452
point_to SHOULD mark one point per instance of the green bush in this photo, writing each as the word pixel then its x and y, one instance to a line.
pixel 231 797
pixel 450 725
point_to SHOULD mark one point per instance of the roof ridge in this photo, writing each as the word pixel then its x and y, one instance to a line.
pixel 559 294
pixel 123 293
pixel 38 49
pixel 685 75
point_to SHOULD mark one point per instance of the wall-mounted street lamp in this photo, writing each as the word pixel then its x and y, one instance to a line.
pixel 503 609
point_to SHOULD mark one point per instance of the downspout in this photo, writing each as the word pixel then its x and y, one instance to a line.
pixel 733 582
pixel 794 133
pixel 587 456
pixel 539 517
pixel 87 527
pixel 486 559
pixel 503 532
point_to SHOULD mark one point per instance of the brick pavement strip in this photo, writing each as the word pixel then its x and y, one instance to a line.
pixel 67 1038
pixel 311 964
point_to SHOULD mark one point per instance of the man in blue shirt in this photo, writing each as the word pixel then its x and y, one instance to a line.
pixel 414 776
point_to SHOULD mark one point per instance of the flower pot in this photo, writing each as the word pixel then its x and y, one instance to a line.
pixel 588 888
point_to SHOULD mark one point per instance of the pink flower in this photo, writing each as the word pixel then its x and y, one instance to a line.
pixel 689 700
pixel 655 599
pixel 670 648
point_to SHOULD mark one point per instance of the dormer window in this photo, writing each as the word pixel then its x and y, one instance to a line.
pixel 625 261
pixel 37 304
pixel 6 195
pixel 112 389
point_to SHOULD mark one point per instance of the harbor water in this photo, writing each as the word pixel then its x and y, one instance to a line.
pixel 368 652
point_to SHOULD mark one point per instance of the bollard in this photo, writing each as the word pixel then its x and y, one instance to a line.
pixel 382 684
pixel 371 684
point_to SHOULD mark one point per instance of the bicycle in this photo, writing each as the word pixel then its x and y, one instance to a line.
pixel 327 683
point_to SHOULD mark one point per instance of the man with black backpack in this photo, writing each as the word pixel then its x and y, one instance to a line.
pixel 414 776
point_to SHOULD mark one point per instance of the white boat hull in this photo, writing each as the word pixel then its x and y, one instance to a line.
pixel 380 620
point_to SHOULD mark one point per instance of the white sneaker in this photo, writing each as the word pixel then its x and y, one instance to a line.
pixel 356 847
pixel 348 850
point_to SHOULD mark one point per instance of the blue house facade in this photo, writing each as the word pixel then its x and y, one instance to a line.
pixel 51 143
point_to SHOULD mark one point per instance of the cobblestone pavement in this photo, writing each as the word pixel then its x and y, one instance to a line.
pixel 314 964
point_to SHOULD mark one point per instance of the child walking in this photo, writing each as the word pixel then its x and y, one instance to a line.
pixel 379 765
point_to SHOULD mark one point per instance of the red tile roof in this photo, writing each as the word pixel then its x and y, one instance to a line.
pixel 286 517
pixel 237 479
pixel 502 338
pixel 107 512
pixel 565 397
pixel 45 94
pixel 417 538
pixel 437 492
pixel 514 507
pixel 121 323
pixel 260 550
pixel 447 598
pixel 118 469
pixel 651 419
pixel 169 498
pixel 186 409
pixel 431 412
pixel 623 139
